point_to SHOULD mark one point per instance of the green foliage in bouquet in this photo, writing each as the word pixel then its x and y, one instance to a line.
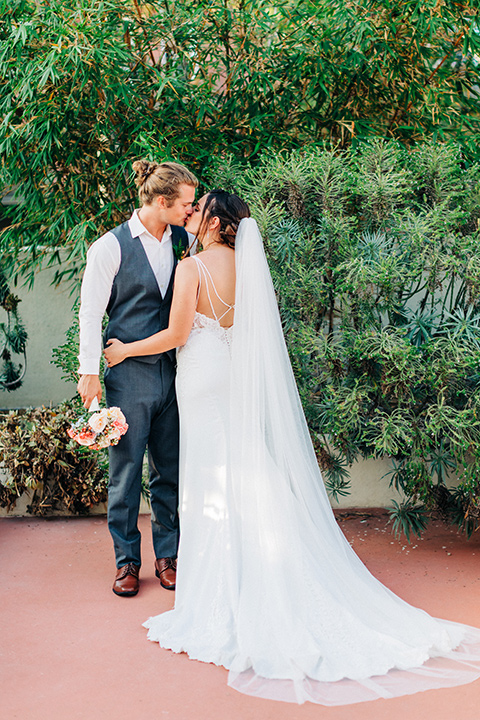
pixel 375 256
pixel 38 458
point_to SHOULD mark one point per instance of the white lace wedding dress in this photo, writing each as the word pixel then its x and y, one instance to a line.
pixel 267 584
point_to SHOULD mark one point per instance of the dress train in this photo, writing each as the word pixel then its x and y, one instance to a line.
pixel 267 584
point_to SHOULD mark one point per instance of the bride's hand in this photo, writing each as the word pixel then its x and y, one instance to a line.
pixel 115 352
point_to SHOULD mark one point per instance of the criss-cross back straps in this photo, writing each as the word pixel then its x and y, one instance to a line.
pixel 204 272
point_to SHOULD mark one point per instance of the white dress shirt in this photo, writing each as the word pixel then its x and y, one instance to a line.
pixel 103 263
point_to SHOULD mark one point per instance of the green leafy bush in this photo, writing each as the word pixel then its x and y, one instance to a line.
pixel 374 253
pixel 89 85
pixel 375 256
pixel 39 459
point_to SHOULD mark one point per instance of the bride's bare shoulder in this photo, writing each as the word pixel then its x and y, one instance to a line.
pixel 186 267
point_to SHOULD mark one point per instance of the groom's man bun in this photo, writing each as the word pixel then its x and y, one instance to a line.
pixel 165 178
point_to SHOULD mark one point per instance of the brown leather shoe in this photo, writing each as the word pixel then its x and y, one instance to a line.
pixel 126 580
pixel 166 571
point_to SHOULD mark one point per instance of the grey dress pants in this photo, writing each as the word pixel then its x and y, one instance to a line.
pixel 145 392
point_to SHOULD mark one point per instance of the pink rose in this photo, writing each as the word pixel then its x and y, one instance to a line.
pixel 85 438
pixel 120 426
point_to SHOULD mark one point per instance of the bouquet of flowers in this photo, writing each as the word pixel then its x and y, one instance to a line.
pixel 100 429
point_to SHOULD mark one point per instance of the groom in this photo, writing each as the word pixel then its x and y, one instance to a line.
pixel 129 275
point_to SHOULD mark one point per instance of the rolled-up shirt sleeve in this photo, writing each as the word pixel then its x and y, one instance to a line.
pixel 103 262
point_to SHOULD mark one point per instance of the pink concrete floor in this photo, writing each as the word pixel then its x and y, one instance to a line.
pixel 71 649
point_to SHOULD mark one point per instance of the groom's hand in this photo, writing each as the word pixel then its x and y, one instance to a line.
pixel 89 387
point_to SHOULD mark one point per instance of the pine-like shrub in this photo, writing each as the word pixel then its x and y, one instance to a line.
pixel 375 257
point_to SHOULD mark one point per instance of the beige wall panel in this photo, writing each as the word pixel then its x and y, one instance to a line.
pixel 46 313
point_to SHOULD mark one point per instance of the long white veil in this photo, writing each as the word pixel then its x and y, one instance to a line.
pixel 313 623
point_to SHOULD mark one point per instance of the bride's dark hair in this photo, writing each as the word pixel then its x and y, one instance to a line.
pixel 229 209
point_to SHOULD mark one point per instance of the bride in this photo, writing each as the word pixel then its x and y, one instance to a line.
pixel 267 584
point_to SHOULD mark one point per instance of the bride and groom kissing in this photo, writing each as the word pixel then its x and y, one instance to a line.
pixel 267 585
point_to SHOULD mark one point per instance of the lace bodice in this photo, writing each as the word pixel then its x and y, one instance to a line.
pixel 202 322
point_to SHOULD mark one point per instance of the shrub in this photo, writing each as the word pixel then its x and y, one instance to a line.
pixel 375 257
pixel 41 460
pixel 89 85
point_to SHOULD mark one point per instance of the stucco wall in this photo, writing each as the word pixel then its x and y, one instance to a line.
pixel 368 491
pixel 47 314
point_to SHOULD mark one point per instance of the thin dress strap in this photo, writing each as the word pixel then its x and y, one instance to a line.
pixel 203 270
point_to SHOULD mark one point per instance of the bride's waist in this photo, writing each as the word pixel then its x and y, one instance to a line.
pixel 207 330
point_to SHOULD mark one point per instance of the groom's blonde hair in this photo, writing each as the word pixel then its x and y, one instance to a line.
pixel 165 178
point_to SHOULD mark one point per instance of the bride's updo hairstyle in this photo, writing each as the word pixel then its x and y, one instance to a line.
pixel 229 209
pixel 165 178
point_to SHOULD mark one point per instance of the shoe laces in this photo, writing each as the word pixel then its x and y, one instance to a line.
pixel 129 569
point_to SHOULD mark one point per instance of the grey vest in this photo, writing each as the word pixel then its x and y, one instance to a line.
pixel 136 308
